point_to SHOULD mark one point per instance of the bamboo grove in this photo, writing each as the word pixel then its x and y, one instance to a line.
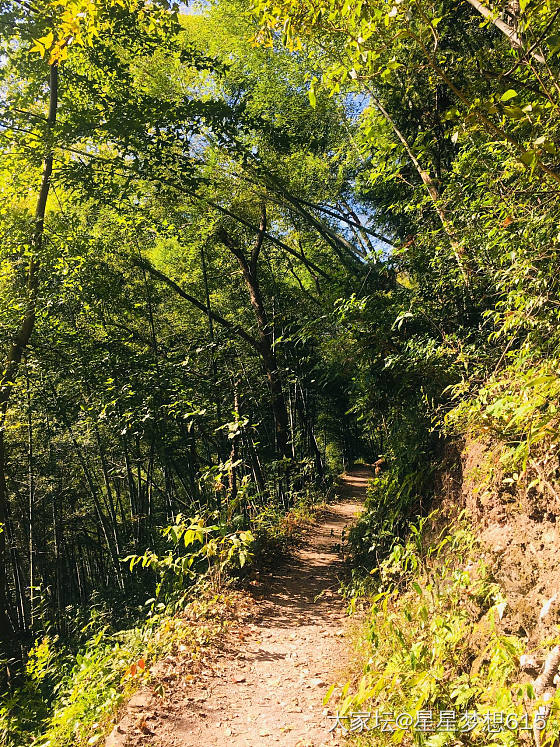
pixel 158 321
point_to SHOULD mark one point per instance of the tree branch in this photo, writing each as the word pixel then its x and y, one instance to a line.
pixel 230 326
pixel 505 29
pixel 259 241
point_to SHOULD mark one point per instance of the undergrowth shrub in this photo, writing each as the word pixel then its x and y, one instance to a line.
pixel 391 502
pixel 334 457
pixel 275 531
pixel 434 642
pixel 517 408
pixel 91 685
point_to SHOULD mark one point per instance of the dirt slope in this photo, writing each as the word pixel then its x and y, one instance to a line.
pixel 268 683
pixel 518 525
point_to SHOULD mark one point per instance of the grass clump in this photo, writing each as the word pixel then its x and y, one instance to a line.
pixel 276 531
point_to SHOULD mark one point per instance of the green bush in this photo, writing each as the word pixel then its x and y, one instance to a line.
pixel 391 502
pixel 334 457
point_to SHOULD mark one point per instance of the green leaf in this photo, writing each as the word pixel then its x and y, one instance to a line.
pixel 508 95
pixel 328 694
pixel 312 97
pixel 528 157
pixel 514 112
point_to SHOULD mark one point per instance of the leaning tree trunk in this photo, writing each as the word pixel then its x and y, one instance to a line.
pixel 509 30
pixel 19 343
pixel 432 190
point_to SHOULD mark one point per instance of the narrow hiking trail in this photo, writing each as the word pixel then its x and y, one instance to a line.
pixel 267 684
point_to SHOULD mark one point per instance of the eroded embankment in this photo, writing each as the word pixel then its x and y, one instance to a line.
pixel 517 524
pixel 465 616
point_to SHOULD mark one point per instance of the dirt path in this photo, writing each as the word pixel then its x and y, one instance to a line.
pixel 268 687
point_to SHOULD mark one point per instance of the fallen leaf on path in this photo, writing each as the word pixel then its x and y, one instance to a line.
pixel 143 726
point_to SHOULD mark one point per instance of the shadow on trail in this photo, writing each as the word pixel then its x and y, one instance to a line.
pixel 266 685
pixel 300 591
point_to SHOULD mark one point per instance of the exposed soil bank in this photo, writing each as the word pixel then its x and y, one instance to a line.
pixel 517 524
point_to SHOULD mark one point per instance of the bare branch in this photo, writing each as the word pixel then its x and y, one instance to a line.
pixel 230 326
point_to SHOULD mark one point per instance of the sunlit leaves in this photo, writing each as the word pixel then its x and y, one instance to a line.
pixel 80 22
pixel 508 95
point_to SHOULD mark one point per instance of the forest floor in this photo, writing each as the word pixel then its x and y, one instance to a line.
pixel 266 682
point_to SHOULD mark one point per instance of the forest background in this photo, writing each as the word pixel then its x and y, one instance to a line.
pixel 242 247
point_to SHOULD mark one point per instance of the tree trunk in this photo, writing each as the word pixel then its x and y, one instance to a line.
pixel 233 457
pixel 19 343
pixel 31 500
pixel 249 269
pixel 111 505
pixel 262 343
pixel 510 31
pixel 222 446
pixel 307 422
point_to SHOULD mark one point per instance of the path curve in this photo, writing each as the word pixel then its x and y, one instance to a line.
pixel 267 688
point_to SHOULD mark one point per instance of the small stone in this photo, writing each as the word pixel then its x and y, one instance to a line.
pixel 528 662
